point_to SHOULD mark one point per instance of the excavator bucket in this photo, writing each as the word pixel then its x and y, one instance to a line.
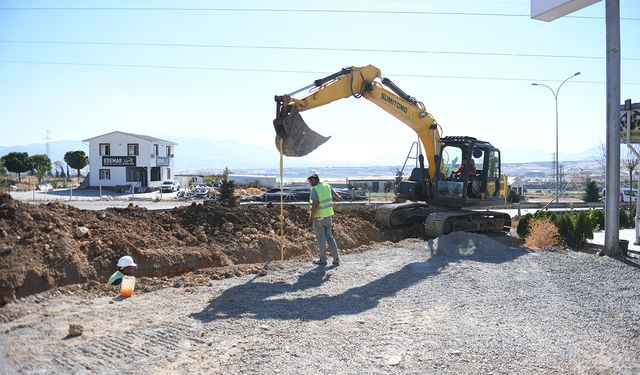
pixel 298 138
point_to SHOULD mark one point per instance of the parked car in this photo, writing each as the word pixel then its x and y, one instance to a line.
pixel 625 194
pixel 169 186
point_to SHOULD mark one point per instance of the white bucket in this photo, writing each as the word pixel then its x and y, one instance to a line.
pixel 127 286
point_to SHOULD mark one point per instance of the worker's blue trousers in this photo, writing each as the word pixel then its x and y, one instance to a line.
pixel 323 227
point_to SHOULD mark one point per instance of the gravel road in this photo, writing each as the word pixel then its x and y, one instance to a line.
pixel 455 305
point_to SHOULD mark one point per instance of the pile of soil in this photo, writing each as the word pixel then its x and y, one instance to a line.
pixel 52 245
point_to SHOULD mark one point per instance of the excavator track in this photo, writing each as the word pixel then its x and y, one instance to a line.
pixel 400 214
pixel 440 223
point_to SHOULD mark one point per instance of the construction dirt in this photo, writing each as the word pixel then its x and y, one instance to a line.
pixel 52 245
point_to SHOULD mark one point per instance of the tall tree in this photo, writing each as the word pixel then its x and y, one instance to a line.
pixel 17 162
pixel 58 168
pixel 76 160
pixel 3 170
pixel 591 193
pixel 226 187
pixel 40 161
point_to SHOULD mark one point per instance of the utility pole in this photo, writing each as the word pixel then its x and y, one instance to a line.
pixel 612 184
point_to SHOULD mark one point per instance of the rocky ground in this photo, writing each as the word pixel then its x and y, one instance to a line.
pixel 459 304
pixel 51 245
pixel 213 297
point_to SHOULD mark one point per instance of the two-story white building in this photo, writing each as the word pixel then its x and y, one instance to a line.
pixel 119 158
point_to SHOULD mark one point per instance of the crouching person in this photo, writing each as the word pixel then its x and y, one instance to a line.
pixel 126 267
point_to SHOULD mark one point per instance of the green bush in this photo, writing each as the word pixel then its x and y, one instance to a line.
pixel 513 197
pixel 624 219
pixel 523 225
pixel 597 219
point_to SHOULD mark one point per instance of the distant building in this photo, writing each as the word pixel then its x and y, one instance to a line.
pixel 248 180
pixel 516 184
pixel 119 158
pixel 373 184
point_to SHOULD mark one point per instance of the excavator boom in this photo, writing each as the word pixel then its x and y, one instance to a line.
pixel 298 139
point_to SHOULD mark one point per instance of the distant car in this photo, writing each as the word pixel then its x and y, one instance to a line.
pixel 625 194
pixel 169 186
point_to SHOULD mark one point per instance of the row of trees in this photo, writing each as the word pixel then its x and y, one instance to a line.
pixel 40 164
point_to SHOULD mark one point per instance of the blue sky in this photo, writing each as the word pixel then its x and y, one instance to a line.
pixel 81 72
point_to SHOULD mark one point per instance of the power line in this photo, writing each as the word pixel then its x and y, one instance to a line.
pixel 285 71
pixel 135 9
pixel 131 44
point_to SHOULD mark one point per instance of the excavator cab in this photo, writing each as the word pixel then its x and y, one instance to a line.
pixel 470 173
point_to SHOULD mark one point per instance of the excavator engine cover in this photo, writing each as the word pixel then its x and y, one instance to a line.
pixel 298 138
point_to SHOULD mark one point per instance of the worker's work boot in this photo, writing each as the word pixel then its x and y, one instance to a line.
pixel 319 262
pixel 336 261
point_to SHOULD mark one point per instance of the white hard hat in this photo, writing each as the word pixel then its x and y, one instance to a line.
pixel 126 261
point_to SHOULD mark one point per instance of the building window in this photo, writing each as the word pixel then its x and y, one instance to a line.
pixel 105 174
pixel 168 150
pixel 155 150
pixel 155 174
pixel 131 174
pixel 105 149
pixel 132 149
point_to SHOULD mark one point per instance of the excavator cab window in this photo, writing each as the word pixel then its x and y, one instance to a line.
pixel 452 185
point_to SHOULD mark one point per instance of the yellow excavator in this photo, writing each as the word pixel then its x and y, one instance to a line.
pixel 461 173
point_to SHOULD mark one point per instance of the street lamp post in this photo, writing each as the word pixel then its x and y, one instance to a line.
pixel 555 96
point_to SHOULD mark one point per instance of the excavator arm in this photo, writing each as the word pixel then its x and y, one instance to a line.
pixel 295 138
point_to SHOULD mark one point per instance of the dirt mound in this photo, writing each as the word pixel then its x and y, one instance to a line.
pixel 48 246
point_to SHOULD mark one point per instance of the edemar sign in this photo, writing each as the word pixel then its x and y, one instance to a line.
pixel 118 161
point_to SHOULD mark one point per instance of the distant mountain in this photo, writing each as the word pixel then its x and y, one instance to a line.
pixel 205 155
pixel 530 156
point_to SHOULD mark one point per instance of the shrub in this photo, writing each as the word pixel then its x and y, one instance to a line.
pixel 566 228
pixel 513 197
pixel 542 233
pixel 624 219
pixel 597 219
pixel 583 230
pixel 523 225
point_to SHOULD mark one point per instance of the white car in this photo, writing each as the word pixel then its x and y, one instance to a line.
pixel 169 186
pixel 625 194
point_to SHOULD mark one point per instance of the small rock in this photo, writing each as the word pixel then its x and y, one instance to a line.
pixel 394 360
pixel 82 232
pixel 264 327
pixel 101 215
pixel 75 330
pixel 228 227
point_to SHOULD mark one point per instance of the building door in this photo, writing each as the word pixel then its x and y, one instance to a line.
pixel 142 176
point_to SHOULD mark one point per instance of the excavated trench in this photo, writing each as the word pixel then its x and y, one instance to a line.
pixel 53 245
